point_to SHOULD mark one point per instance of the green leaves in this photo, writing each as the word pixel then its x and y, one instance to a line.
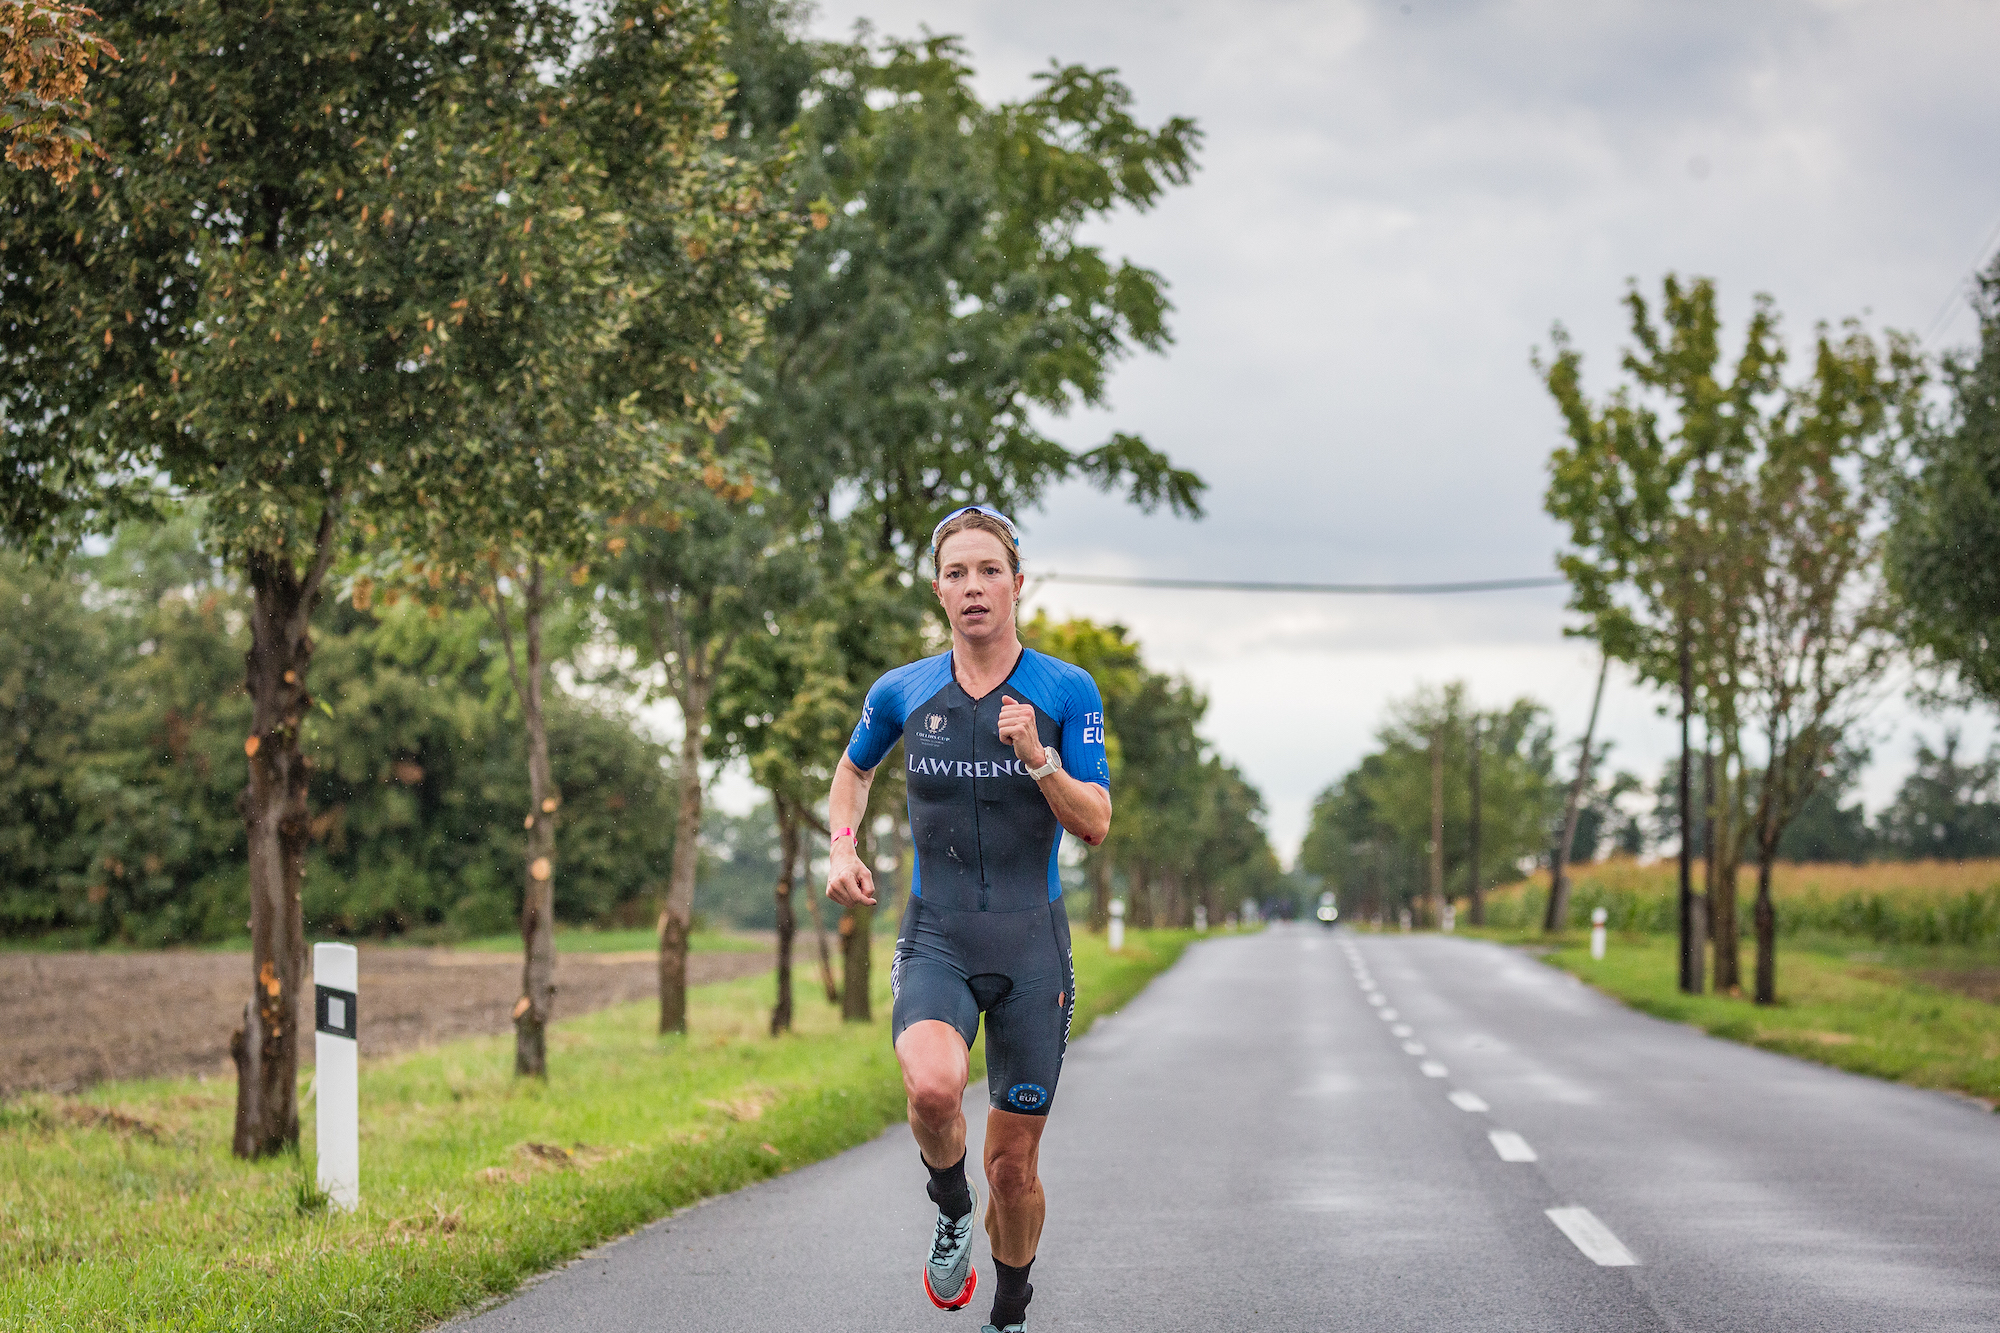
pixel 1947 518
pixel 942 296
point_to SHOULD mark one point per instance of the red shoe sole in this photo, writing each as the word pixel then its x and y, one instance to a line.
pixel 964 1297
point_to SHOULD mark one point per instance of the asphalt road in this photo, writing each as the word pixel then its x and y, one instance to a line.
pixel 1309 1130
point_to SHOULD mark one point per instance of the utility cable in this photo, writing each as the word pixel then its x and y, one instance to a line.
pixel 1357 589
pixel 1950 307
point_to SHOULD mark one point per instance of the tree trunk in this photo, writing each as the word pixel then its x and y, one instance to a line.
pixel 1767 924
pixel 825 950
pixel 1437 824
pixel 1685 805
pixel 1139 912
pixel 677 913
pixel 273 805
pixel 1099 869
pixel 1475 885
pixel 1557 915
pixel 536 1008
pixel 856 927
pixel 1698 909
pixel 1723 926
pixel 788 865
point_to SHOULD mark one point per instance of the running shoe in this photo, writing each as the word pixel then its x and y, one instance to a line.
pixel 949 1277
pixel 1021 1327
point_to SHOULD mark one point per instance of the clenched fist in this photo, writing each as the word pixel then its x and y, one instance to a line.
pixel 1017 728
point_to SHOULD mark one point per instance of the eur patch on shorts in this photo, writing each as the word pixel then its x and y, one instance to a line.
pixel 1027 1097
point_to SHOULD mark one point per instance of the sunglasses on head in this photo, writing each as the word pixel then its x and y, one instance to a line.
pixel 987 510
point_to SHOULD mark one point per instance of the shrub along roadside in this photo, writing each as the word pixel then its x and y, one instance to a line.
pixel 124 1210
pixel 1851 1013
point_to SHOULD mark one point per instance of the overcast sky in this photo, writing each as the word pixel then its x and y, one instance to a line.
pixel 1395 203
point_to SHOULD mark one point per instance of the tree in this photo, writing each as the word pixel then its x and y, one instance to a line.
pixel 46 56
pixel 1652 525
pixel 786 701
pixel 1946 809
pixel 247 308
pixel 1732 554
pixel 708 564
pixel 631 340
pixel 1112 659
pixel 1370 835
pixel 1946 527
pixel 1820 629
pixel 945 298
pixel 51 686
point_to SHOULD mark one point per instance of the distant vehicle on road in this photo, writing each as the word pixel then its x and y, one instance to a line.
pixel 1328 913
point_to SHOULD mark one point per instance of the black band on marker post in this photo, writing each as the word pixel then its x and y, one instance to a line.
pixel 333 1011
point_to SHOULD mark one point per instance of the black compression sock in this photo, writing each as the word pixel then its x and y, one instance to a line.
pixel 1011 1294
pixel 948 1189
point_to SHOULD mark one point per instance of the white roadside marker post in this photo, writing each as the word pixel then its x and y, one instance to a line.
pixel 337 1081
pixel 1597 933
pixel 1115 933
pixel 1200 919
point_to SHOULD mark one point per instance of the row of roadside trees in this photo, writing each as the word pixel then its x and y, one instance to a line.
pixel 670 328
pixel 1765 547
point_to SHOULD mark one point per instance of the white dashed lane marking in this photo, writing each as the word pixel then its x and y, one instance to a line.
pixel 1589 1235
pixel 1592 1237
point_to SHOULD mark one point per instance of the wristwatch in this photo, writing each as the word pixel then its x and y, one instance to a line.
pixel 1053 764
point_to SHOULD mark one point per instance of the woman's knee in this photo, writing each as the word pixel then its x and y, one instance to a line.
pixel 934 1095
pixel 1011 1174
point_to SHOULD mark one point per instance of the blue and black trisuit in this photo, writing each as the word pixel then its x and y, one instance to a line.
pixel 985 931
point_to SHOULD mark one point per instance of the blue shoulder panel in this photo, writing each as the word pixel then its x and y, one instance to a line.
pixel 1068 694
pixel 890 700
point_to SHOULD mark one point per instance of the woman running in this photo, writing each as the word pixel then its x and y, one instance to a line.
pixel 1003 750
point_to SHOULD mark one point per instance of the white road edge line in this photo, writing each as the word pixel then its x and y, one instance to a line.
pixel 1592 1237
pixel 1413 1048
pixel 1432 1069
pixel 1511 1146
pixel 1388 1015
pixel 1469 1101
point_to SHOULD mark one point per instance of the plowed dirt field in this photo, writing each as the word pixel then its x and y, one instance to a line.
pixel 70 1020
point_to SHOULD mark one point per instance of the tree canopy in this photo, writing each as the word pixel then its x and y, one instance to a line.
pixel 1947 518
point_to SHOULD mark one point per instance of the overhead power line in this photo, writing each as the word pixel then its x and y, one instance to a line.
pixel 1357 589
pixel 1959 289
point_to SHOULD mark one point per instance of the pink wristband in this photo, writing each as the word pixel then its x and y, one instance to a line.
pixel 844 833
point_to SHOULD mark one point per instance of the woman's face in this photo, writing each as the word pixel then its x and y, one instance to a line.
pixel 976 585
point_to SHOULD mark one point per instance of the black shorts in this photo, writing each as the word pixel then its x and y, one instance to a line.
pixel 1013 967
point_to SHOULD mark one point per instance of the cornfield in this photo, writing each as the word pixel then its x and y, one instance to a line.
pixel 1890 902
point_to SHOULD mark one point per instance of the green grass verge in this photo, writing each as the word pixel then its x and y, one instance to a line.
pixel 567 941
pixel 625 941
pixel 122 1209
pixel 1860 1012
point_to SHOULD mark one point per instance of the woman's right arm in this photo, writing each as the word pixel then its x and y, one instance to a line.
pixel 848 881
